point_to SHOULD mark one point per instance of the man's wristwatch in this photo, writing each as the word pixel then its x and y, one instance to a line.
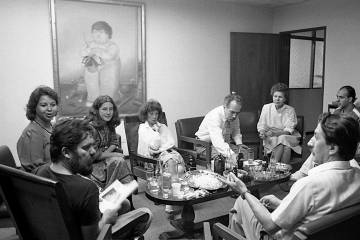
pixel 243 194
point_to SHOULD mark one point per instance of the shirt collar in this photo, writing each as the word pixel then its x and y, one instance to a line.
pixel 155 127
pixel 280 109
pixel 328 166
pixel 348 108
pixel 222 113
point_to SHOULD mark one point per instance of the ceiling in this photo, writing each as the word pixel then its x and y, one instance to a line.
pixel 266 3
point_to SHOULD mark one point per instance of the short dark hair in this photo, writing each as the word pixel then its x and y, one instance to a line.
pixel 149 106
pixel 350 92
pixel 232 97
pixel 280 87
pixel 102 25
pixel 94 115
pixel 69 133
pixel 341 130
pixel 35 97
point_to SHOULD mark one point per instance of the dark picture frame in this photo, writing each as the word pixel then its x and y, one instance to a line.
pixel 98 49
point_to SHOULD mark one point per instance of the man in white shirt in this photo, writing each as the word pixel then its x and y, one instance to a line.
pixel 220 125
pixel 331 185
pixel 309 164
pixel 346 96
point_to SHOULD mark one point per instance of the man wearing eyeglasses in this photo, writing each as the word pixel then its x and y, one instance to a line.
pixel 221 127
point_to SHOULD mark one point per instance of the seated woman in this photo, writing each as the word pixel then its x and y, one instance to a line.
pixel 110 164
pixel 33 146
pixel 277 124
pixel 155 139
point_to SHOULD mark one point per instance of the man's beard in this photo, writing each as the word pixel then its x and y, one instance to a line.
pixel 76 168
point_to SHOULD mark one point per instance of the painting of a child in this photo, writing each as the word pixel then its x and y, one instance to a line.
pixel 101 63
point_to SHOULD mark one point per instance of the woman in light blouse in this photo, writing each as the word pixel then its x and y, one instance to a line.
pixel 277 124
pixel 156 140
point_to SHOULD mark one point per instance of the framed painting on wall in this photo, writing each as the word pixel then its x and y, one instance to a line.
pixel 98 49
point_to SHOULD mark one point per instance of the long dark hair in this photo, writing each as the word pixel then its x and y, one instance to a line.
pixel 94 116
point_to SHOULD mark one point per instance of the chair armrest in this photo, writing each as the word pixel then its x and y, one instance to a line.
pixel 219 230
pixel 105 233
pixel 329 220
pixel 207 231
pixel 138 157
pixel 186 152
pixel 195 141
pixel 128 220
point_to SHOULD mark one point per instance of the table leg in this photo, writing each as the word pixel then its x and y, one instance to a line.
pixel 184 226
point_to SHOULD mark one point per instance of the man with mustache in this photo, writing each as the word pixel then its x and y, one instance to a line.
pixel 320 192
pixel 220 125
pixel 346 96
pixel 72 154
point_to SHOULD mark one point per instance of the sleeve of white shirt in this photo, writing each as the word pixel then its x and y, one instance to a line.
pixel 167 140
pixel 291 120
pixel 144 140
pixel 236 132
pixel 261 125
pixel 295 206
pixel 217 138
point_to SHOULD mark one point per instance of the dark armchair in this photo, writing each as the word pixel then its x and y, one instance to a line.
pixel 38 207
pixel 187 127
pixel 131 124
pixel 342 224
pixel 7 159
pixel 185 132
pixel 248 127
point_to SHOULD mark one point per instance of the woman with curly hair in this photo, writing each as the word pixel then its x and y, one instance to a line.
pixel 277 124
pixel 156 140
pixel 110 164
pixel 33 146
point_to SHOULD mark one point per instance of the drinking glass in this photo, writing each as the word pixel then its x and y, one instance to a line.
pixel 250 155
pixel 154 185
pixel 166 184
pixel 149 174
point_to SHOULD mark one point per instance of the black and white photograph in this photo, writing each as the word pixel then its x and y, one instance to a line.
pixel 98 50
pixel 179 119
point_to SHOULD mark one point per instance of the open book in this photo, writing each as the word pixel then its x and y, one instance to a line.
pixel 115 194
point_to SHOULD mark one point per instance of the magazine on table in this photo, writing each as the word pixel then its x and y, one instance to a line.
pixel 115 194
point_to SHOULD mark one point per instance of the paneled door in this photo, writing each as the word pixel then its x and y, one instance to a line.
pixel 254 67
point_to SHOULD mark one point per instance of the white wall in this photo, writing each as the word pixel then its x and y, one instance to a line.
pixel 342 19
pixel 188 51
pixel 25 62
pixel 188 55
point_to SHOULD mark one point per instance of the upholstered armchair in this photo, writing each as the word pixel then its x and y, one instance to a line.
pixel 131 124
pixel 342 224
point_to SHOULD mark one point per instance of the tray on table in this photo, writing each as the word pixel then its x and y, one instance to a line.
pixel 204 179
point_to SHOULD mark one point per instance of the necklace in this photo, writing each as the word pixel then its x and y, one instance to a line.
pixel 49 132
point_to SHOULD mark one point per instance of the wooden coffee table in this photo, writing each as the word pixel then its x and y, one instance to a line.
pixel 185 226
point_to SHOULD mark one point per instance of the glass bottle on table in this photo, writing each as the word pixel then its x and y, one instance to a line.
pixel 272 164
pixel 192 163
pixel 169 174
